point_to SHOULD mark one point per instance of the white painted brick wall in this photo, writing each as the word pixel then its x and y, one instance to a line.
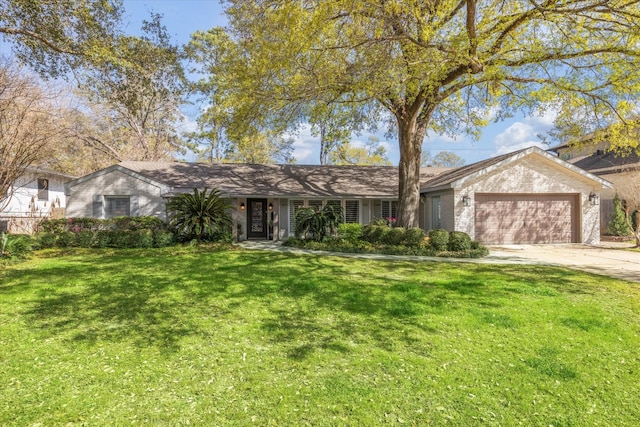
pixel 115 183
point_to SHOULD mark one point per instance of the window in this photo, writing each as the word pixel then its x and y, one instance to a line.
pixel 294 206
pixel 43 189
pixel 389 209
pixel 352 211
pixel 117 206
pixel 316 204
pixel 436 220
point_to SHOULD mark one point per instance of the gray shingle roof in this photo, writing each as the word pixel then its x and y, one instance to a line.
pixel 279 180
pixel 607 163
pixel 453 175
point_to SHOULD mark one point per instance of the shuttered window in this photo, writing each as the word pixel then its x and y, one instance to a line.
pixel 352 211
pixel 294 206
pixel 316 204
pixel 389 209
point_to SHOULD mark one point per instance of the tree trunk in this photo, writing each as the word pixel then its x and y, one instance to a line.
pixel 411 133
pixel 324 150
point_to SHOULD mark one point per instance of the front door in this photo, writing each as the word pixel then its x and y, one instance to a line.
pixel 257 218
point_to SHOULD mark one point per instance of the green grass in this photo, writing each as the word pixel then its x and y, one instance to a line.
pixel 184 336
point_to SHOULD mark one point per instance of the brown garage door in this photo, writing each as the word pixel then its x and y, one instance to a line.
pixel 526 218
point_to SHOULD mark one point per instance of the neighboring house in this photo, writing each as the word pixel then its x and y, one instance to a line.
pixel 611 166
pixel 529 196
pixel 36 195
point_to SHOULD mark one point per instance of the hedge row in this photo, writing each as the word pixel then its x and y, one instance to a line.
pixel 143 238
pixel 122 223
pixel 120 232
pixel 384 239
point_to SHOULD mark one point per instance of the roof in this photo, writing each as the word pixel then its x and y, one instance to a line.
pixel 278 180
pixel 313 181
pixel 604 163
pixel 456 177
pixel 33 170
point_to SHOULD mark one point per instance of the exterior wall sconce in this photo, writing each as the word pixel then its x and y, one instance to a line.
pixel 242 206
pixel 466 201
pixel 593 199
pixel 270 207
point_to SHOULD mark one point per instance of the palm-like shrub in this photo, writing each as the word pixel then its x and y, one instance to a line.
pixel 318 223
pixel 199 215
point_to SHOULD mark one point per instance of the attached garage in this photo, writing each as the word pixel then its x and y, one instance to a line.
pixel 526 218
pixel 525 197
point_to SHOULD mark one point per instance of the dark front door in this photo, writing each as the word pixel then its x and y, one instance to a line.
pixel 257 219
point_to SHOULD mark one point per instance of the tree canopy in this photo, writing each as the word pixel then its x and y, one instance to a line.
pixel 54 37
pixel 432 65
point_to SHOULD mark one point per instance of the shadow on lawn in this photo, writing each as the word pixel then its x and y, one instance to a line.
pixel 305 303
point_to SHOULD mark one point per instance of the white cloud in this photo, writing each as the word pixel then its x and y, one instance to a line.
pixel 303 151
pixel 187 124
pixel 524 134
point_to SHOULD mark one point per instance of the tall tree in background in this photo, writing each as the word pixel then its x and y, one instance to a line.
pixel 55 37
pixel 209 52
pixel 261 148
pixel 28 125
pixel 433 65
pixel 140 95
pixel 372 153
pixel 134 85
pixel 445 159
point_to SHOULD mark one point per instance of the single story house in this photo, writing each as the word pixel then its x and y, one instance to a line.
pixel 598 160
pixel 529 196
pixel 35 195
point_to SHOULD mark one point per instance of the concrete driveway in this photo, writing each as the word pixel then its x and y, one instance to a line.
pixel 609 259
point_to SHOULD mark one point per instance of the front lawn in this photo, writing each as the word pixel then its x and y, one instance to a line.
pixel 179 336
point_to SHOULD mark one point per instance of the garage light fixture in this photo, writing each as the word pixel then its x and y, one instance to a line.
pixel 466 201
pixel 593 199
pixel 270 207
pixel 242 207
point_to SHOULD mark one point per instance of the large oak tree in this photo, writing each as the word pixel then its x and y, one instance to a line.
pixel 56 36
pixel 433 65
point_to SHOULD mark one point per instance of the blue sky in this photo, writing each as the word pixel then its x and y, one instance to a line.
pixel 183 17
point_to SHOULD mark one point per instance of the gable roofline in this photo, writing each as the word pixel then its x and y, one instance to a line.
pixel 458 177
pixel 105 171
pixel 33 170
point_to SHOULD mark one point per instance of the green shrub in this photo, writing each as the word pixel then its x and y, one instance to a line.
pixel 142 238
pixel 414 237
pixel 375 233
pixel 15 245
pixel 163 238
pixel 394 236
pixel 4 239
pixel 351 232
pixel 200 215
pixel 122 239
pixel 84 239
pixel 618 224
pixel 53 225
pixel 65 239
pixel 103 239
pixel 46 240
pixel 317 224
pixel 439 239
pixel 459 241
